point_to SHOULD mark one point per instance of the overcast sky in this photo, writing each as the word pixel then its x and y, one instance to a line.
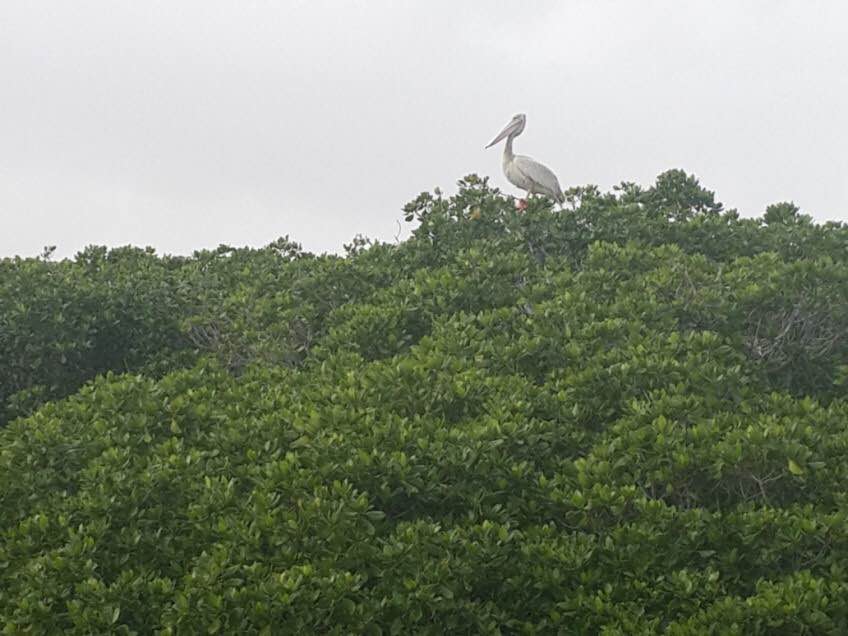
pixel 184 124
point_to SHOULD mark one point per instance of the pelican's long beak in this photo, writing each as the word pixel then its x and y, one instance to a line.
pixel 511 126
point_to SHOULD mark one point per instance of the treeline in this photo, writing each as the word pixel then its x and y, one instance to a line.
pixel 628 416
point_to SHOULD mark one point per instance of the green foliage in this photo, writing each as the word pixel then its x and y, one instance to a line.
pixel 63 323
pixel 627 417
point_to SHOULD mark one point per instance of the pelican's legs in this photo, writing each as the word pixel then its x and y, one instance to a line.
pixel 522 204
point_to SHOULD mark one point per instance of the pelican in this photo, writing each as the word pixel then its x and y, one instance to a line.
pixel 523 172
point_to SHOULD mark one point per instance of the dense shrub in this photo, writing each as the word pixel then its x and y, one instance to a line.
pixel 63 323
pixel 625 417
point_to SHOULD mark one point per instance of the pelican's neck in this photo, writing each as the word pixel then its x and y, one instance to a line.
pixel 509 155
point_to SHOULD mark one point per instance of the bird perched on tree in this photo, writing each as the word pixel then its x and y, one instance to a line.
pixel 523 172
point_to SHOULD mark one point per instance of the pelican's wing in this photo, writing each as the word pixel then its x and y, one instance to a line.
pixel 541 176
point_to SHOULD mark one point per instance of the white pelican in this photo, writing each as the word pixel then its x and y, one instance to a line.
pixel 523 172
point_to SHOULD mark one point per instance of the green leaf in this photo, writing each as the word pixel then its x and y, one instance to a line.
pixel 794 468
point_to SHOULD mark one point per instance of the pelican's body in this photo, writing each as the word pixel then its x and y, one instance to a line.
pixel 523 172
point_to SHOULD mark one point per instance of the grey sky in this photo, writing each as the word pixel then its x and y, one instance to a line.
pixel 185 124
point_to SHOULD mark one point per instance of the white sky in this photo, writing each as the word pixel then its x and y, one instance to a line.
pixel 183 124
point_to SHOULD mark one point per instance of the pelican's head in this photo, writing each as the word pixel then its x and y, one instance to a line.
pixel 512 129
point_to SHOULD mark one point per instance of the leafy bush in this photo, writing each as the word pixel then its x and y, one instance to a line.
pixel 63 323
pixel 628 417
